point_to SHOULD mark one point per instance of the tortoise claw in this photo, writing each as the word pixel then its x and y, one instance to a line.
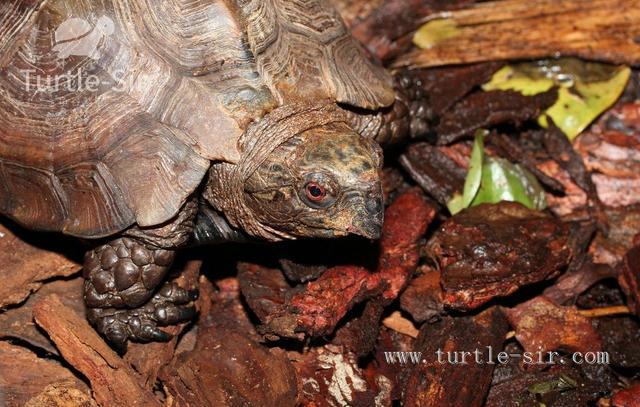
pixel 169 306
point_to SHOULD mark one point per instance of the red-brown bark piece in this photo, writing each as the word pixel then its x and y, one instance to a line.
pixel 359 334
pixel 492 250
pixel 621 340
pixel 113 381
pixel 629 277
pixel 266 292
pixel 330 376
pixel 393 184
pixel 227 368
pixel 406 221
pixel 149 358
pixel 574 197
pixel 624 224
pixel 431 93
pixel 611 149
pixel 325 301
pixel 423 298
pixel 485 109
pixel 440 383
pixel 629 397
pixel 18 323
pixel 23 375
pixel 558 146
pixel 397 374
pixel 611 153
pixel 24 267
pixel 541 325
pixel 316 309
pixel 436 173
pixel 575 281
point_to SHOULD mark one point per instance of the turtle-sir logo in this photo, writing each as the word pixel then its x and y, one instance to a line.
pixel 77 37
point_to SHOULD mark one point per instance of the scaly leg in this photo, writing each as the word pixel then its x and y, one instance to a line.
pixel 122 278
pixel 120 292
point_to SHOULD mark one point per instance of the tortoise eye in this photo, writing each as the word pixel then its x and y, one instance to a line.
pixel 315 192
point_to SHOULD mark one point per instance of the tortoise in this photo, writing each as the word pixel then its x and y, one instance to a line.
pixel 143 127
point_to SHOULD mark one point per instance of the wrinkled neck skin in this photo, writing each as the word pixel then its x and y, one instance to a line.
pixel 212 227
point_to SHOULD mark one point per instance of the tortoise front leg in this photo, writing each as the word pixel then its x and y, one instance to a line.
pixel 121 293
pixel 122 279
pixel 407 118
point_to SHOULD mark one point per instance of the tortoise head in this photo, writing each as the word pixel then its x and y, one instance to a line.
pixel 324 182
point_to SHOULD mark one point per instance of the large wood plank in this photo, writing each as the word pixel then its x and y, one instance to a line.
pixel 606 30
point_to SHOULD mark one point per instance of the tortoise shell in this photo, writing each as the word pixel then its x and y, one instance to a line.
pixel 112 110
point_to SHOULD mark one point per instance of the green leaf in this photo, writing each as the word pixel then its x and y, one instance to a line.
pixel 586 88
pixel 491 180
pixel 435 32
pixel 474 176
pixel 505 181
pixel 455 203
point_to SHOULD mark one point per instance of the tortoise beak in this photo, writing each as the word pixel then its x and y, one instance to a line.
pixel 368 221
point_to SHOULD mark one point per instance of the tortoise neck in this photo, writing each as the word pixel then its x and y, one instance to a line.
pixel 212 228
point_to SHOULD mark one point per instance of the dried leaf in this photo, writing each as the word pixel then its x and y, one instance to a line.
pixel 561 383
pixel 629 277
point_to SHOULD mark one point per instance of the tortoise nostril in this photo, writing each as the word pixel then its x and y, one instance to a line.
pixel 373 202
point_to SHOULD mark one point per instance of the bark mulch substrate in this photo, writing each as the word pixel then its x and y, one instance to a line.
pixel 493 304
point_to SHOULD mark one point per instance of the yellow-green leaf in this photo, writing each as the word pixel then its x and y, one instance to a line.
pixel 586 88
pixel 435 32
pixel 572 113
pixel 474 176
pixel 509 78
pixel 455 203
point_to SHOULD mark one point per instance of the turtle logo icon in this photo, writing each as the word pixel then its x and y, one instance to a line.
pixel 78 37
